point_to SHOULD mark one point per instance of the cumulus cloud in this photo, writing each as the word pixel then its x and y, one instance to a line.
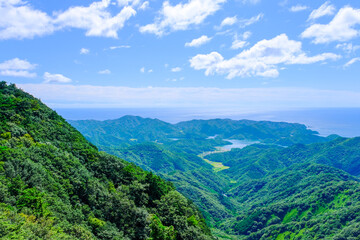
pixel 106 71
pixel 17 64
pixel 181 16
pixel 176 69
pixel 260 60
pixel 323 10
pixel 17 68
pixel 298 8
pixel 95 19
pixel 198 41
pixel 84 51
pixel 19 20
pixel 341 28
pixel 352 61
pixel 55 78
pixel 142 70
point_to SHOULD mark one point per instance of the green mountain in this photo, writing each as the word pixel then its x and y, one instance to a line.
pixel 54 184
pixel 130 130
pixel 127 130
pixel 308 190
pixel 280 133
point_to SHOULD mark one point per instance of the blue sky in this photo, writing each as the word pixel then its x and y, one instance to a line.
pixel 243 54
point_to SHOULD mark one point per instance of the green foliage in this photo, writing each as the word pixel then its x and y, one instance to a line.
pixel 159 231
pixel 54 184
pixel 269 191
pixel 35 200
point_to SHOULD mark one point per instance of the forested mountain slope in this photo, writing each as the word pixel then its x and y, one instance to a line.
pixel 308 190
pixel 130 130
pixel 54 184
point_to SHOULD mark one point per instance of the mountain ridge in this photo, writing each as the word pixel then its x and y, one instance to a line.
pixel 284 186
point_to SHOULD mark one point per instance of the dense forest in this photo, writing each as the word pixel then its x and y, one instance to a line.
pixel 290 183
pixel 54 184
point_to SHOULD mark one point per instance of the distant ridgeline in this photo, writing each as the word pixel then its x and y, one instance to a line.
pixel 291 184
pixel 54 184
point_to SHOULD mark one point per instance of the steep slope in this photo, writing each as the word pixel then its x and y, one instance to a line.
pixel 54 184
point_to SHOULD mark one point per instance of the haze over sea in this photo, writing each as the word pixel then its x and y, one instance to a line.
pixel 342 121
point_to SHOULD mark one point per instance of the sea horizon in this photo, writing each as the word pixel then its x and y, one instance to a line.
pixel 341 121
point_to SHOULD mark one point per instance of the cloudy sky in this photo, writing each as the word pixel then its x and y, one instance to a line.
pixel 257 54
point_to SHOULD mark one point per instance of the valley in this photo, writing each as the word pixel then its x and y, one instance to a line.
pixel 251 180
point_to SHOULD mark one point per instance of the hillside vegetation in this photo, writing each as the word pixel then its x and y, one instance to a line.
pixel 54 184
pixel 292 184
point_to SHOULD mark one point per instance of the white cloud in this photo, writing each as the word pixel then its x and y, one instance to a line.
pixel 260 60
pixel 198 41
pixel 323 10
pixel 144 6
pixel 17 68
pixel 176 69
pixel 236 44
pixel 122 3
pixel 19 20
pixel 84 51
pixel 240 42
pixel 55 78
pixel 86 96
pixel 229 21
pixel 150 71
pixel 341 28
pixel 352 61
pixel 181 16
pixel 106 71
pixel 95 19
pixel 298 8
pixel 142 69
pixel 246 35
pixel 117 47
pixel 18 73
pixel 17 64
pixel 348 47
pixel 247 22
pixel 251 1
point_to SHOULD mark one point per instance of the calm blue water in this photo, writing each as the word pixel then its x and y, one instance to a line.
pixel 341 121
pixel 237 144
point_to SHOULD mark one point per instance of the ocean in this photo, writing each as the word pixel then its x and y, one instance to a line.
pixel 342 121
